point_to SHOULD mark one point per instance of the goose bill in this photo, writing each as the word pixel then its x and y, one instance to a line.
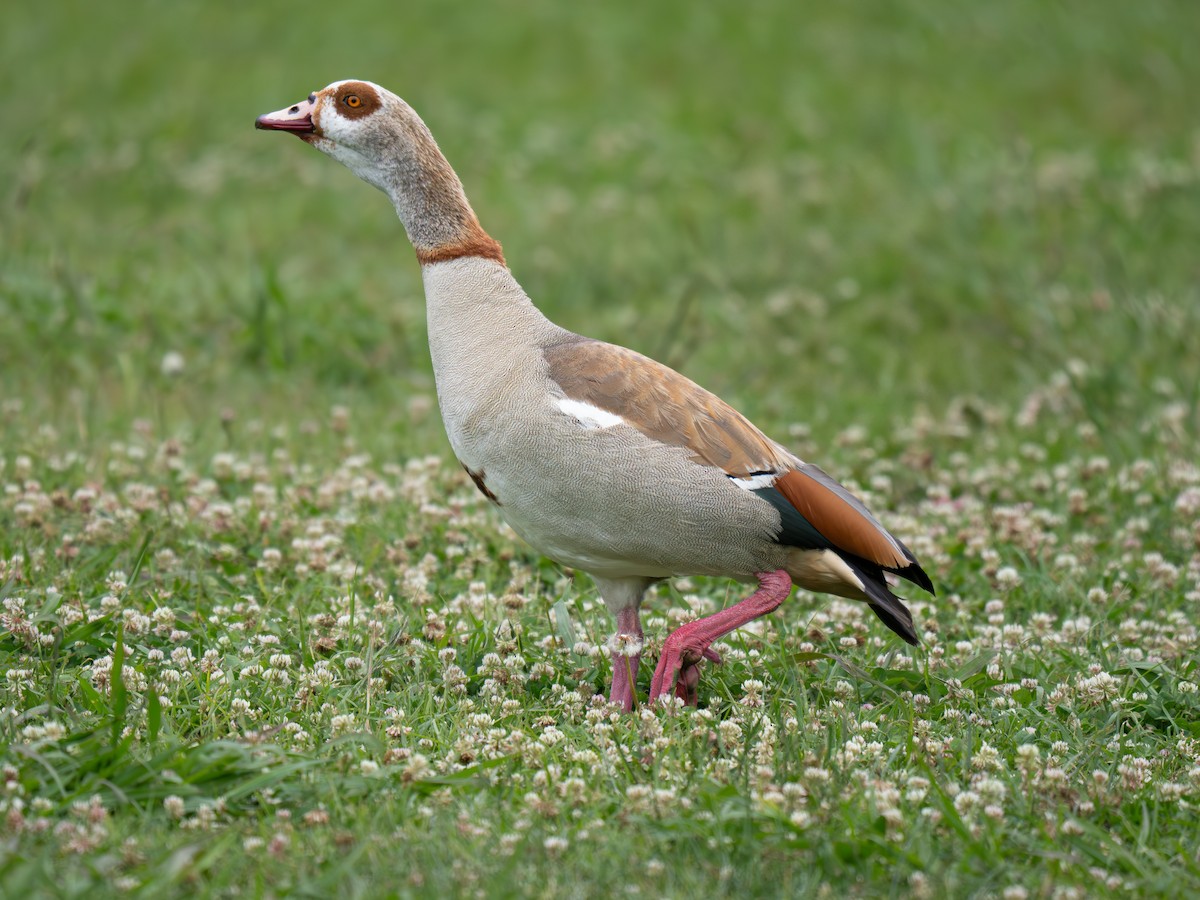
pixel 296 118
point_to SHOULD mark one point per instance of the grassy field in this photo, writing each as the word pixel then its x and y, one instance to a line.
pixel 259 634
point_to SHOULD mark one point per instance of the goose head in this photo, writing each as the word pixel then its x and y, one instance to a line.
pixel 365 127
pixel 383 141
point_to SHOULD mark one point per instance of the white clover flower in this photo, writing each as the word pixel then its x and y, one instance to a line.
pixel 986 757
pixel 182 656
pixel 753 697
pixel 628 645
pixel 416 768
pixel 730 731
pixel 172 364
pixel 1134 772
pixel 1007 578
pixel 1028 755
pixel 1098 688
pixel 1171 791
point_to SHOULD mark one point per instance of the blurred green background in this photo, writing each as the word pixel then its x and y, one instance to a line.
pixel 828 213
pixel 863 214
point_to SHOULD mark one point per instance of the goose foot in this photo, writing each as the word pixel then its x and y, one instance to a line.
pixel 678 667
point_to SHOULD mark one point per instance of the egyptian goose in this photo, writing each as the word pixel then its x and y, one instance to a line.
pixel 599 457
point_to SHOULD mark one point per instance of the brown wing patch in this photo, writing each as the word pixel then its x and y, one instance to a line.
pixel 838 521
pixel 663 405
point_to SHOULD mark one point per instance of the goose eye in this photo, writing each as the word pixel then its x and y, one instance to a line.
pixel 352 101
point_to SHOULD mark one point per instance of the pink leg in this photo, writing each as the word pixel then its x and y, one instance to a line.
pixel 689 644
pixel 625 667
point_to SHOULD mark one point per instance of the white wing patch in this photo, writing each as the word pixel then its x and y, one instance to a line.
pixel 589 416
pixel 756 482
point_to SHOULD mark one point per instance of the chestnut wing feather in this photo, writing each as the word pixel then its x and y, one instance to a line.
pixel 664 405
pixel 840 517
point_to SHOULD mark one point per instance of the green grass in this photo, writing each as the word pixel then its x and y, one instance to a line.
pixel 261 636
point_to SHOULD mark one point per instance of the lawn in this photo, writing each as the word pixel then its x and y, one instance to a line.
pixel 261 636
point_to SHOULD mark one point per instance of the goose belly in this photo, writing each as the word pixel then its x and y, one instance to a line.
pixel 614 503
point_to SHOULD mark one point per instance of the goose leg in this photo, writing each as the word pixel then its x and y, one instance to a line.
pixel 626 650
pixel 686 646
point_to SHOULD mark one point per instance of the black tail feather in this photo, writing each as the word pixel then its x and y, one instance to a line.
pixel 913 572
pixel 902 626
pixel 887 606
pixel 916 575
